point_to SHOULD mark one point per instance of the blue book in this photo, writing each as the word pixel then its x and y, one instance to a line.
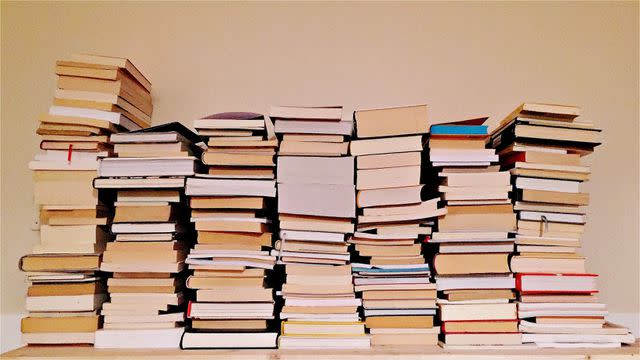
pixel 459 130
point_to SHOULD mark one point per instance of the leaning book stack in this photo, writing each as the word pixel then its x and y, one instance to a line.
pixel 542 145
pixel 65 292
pixel 390 271
pixel 316 206
pixel 232 209
pixel 152 237
pixel 472 264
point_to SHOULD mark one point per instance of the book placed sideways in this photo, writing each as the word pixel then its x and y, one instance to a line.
pixel 142 339
pixel 158 166
pixel 328 113
pixel 217 340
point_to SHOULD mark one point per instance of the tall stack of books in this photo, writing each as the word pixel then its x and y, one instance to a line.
pixel 474 245
pixel 232 208
pixel 542 146
pixel 316 206
pixel 389 269
pixel 146 309
pixel 90 104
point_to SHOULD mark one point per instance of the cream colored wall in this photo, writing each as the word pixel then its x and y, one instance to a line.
pixel 461 59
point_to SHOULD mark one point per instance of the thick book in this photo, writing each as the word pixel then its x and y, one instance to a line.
pixel 315 170
pixel 220 340
pixel 141 339
pixel 330 113
pixel 406 120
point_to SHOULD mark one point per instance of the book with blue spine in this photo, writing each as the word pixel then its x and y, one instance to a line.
pixel 468 127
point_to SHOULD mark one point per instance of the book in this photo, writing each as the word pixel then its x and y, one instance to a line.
pixel 391 121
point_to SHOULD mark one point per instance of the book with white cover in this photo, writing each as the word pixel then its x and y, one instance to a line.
pixel 317 200
pixel 480 282
pixel 462 155
pixel 314 127
pixel 87 302
pixel 82 165
pixel 578 338
pixel 158 166
pixel 312 236
pixel 113 117
pixel 203 340
pixel 229 124
pixel 312 170
pixel 553 217
pixel 333 113
pixel 142 339
pixel 202 186
pixel 548 185
pixel 58 338
pixel 301 342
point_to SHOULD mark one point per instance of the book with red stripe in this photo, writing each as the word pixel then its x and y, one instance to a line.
pixel 545 283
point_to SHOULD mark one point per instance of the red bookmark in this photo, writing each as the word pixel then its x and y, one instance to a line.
pixel 69 152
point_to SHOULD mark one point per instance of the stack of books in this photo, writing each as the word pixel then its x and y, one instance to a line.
pixel 90 104
pixel 474 245
pixel 146 309
pixel 316 206
pixel 390 271
pixel 232 208
pixel 542 146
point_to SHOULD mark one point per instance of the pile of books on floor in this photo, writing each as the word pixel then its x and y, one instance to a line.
pixel 316 206
pixel 542 145
pixel 472 264
pixel 65 292
pixel 232 206
pixel 389 269
pixel 153 236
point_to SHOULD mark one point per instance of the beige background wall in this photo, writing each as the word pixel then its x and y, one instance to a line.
pixel 461 59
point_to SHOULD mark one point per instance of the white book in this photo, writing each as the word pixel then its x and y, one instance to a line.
pixel 63 155
pixel 141 339
pixel 314 127
pixel 133 228
pixel 86 95
pixel 59 338
pixel 553 217
pixel 62 303
pixel 301 342
pixel 319 317
pixel 316 170
pixel 111 116
pixel 196 263
pixel 463 155
pixel 471 248
pixel 469 282
pixel 317 200
pixel 548 185
pixel 82 165
pixel 310 255
pixel 463 236
pixel 306 112
pixel 158 166
pixel 312 236
pixel 200 186
pixel 578 338
pixel 230 124
pixel 461 163
pixel 394 312
pixel 323 302
pixel 570 313
pixel 228 340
